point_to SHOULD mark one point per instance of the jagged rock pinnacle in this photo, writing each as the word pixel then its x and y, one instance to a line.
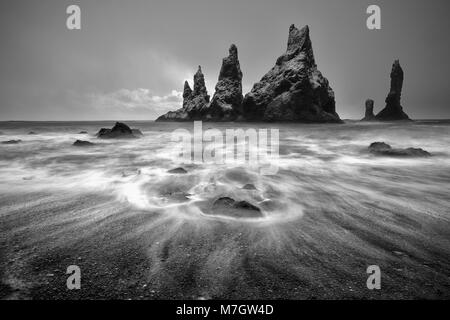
pixel 226 104
pixel 294 90
pixel 393 109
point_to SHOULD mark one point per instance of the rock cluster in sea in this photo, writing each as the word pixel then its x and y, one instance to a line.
pixel 293 90
pixel 194 101
pixel 393 110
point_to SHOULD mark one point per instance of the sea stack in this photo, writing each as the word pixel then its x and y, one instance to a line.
pixel 393 110
pixel 294 89
pixel 194 101
pixel 369 111
pixel 226 104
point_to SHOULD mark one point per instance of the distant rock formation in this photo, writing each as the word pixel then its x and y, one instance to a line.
pixel 226 104
pixel 383 149
pixel 119 131
pixel 369 111
pixel 194 101
pixel 81 143
pixel 294 90
pixel 393 109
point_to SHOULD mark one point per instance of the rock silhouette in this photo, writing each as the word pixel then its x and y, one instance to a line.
pixel 370 116
pixel 393 109
pixel 294 89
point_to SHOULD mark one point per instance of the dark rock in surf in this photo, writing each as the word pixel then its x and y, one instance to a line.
pixel 394 110
pixel 226 104
pixel 383 149
pixel 31 133
pixel 194 101
pixel 294 90
pixel 226 206
pixel 249 187
pixel 83 132
pixel 379 146
pixel 81 143
pixel 369 116
pixel 177 171
pixel 12 142
pixel 119 131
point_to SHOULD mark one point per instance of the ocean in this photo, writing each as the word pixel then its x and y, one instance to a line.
pixel 136 231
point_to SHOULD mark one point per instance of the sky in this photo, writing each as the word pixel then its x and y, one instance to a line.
pixel 130 59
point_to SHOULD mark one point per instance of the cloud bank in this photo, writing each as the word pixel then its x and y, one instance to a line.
pixel 136 99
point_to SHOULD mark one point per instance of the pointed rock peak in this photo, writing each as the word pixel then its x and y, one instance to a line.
pixel 298 38
pixel 396 68
pixel 187 91
pixel 233 51
pixel 199 83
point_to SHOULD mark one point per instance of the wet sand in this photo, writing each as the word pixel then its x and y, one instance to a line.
pixel 334 211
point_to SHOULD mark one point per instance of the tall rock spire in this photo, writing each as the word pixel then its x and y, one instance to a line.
pixel 226 104
pixel 393 109
pixel 369 116
pixel 187 94
pixel 199 84
pixel 294 89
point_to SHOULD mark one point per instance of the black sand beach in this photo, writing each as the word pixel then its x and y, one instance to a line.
pixel 332 210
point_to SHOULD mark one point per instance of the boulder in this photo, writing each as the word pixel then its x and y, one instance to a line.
pixel 177 171
pixel 249 187
pixel 226 206
pixel 226 104
pixel 294 89
pixel 383 149
pixel 83 132
pixel 393 110
pixel 369 116
pixel 81 143
pixel 119 131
